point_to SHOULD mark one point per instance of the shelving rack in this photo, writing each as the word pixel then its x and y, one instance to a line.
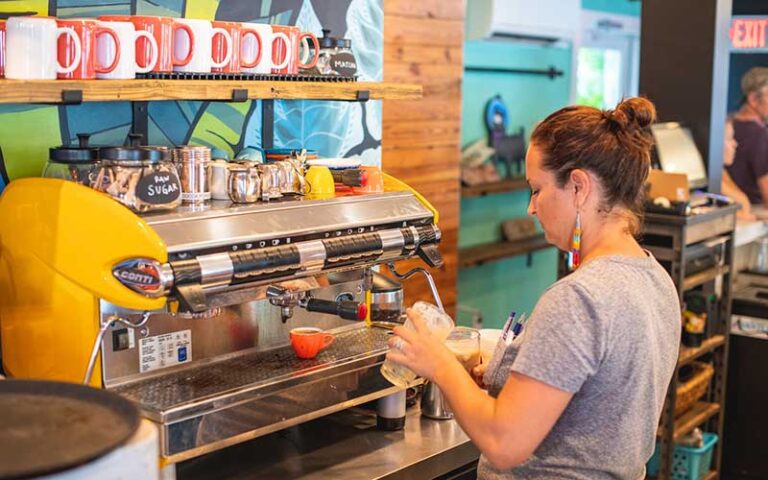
pixel 480 254
pixel 671 238
pixel 502 186
pixel 229 89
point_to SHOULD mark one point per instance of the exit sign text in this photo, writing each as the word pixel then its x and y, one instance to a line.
pixel 748 33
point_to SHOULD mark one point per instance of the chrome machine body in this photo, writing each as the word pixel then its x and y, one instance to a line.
pixel 213 367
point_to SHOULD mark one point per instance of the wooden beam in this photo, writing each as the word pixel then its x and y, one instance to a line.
pixel 420 31
pixel 447 10
pixel 51 91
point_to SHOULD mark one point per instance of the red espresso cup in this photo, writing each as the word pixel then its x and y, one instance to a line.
pixel 86 30
pixel 292 49
pixel 308 341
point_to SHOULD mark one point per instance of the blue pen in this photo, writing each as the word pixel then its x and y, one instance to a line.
pixel 518 327
pixel 508 325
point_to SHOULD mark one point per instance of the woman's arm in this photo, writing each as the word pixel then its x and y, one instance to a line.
pixel 729 188
pixel 762 182
pixel 507 430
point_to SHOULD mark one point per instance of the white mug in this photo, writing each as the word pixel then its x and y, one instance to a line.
pixel 249 48
pixel 127 66
pixel 32 51
pixel 202 56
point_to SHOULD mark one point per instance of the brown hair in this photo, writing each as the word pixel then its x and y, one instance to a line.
pixel 614 145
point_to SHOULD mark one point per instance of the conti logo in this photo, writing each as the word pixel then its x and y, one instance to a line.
pixel 134 277
pixel 139 274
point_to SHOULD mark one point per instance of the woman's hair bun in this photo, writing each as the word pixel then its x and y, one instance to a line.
pixel 632 113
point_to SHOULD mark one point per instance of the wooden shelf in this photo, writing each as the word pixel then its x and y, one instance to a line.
pixel 480 254
pixel 53 91
pixel 661 253
pixel 504 186
pixel 689 354
pixel 700 413
pixel 703 277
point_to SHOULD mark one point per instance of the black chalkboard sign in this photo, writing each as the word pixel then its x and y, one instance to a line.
pixel 344 64
pixel 158 188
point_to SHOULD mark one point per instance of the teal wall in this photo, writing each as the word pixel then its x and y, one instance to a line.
pixel 498 287
pixel 623 7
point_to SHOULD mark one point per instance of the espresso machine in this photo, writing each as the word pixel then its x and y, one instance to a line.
pixel 187 312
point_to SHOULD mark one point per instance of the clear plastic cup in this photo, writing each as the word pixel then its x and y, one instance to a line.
pixel 438 322
pixel 489 337
pixel 464 342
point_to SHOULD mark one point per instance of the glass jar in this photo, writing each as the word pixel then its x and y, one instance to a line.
pixel 327 51
pixel 141 178
pixel 335 56
pixel 73 163
pixel 343 62
pixel 438 322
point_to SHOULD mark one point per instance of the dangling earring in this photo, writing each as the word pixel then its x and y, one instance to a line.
pixel 574 255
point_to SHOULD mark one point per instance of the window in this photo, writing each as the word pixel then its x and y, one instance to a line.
pixel 606 57
pixel 598 77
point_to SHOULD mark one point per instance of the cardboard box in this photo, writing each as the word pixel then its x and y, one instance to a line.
pixel 673 186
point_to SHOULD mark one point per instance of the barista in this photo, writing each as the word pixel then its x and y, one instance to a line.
pixel 590 370
pixel 728 186
pixel 749 169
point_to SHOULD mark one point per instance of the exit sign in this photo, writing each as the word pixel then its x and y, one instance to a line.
pixel 748 34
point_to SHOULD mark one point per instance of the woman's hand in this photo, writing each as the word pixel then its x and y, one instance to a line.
pixel 745 213
pixel 420 350
pixel 478 372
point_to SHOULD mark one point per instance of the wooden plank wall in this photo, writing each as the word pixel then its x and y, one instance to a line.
pixel 423 42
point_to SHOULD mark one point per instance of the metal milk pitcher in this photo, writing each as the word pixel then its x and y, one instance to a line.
pixel 244 184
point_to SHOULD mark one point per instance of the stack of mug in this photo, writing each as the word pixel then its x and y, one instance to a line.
pixel 120 46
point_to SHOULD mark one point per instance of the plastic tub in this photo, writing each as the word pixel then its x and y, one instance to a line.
pixel 688 463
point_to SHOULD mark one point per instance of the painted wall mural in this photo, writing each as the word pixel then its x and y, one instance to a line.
pixel 334 129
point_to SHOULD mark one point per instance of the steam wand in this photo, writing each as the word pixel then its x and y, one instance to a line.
pixel 430 280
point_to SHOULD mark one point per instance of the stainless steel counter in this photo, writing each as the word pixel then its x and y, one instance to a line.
pixel 345 445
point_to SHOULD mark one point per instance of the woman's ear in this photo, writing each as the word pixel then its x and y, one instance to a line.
pixel 581 183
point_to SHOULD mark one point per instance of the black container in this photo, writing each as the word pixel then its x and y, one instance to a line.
pixel 74 163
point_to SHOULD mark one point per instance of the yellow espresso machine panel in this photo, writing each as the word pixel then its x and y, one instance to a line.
pixel 187 312
pixel 59 242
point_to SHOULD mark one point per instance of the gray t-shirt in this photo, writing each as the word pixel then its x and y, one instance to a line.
pixel 609 333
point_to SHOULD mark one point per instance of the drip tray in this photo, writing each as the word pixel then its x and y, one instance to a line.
pixel 196 390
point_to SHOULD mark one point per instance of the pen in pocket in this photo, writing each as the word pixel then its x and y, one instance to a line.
pixel 509 324
pixel 519 325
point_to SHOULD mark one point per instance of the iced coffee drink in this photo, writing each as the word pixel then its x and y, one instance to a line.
pixel 465 344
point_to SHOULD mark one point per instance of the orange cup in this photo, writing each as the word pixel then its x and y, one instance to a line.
pixel 375 183
pixel 308 341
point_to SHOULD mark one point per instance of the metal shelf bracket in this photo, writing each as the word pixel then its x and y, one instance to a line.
pixel 71 97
